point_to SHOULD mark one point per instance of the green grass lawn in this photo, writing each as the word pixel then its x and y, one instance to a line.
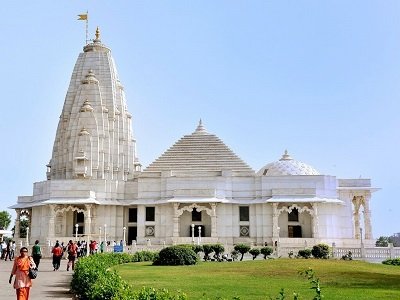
pixel 260 279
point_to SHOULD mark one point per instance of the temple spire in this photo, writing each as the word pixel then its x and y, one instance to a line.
pixel 286 156
pixel 200 128
pixel 97 34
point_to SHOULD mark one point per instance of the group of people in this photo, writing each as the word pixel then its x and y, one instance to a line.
pixel 7 250
pixel 58 252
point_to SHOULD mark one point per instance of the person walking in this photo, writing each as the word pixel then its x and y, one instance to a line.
pixel 36 254
pixel 57 255
pixel 13 248
pixel 8 251
pixel 72 249
pixel 22 282
pixel 3 249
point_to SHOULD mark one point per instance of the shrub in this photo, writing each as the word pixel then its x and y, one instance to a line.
pixel 197 248
pixel 234 255
pixel 306 253
pixel 151 293
pixel 266 251
pixel 255 252
pixel 92 278
pixel 207 249
pixel 218 249
pixel 348 256
pixel 242 249
pixel 176 255
pixel 320 251
pixel 394 262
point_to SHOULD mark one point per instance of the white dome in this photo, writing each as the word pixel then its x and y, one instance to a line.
pixel 287 166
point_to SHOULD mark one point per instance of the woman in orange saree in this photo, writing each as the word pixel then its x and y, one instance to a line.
pixel 22 282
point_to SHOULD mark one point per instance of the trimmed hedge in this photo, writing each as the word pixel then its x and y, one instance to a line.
pixel 306 253
pixel 176 256
pixel 93 279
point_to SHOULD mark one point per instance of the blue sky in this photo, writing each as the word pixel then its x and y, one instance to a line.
pixel 319 78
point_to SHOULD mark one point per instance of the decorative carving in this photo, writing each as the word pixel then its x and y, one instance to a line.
pixel 59 209
pixel 299 209
pixel 189 208
pixel 150 231
pixel 244 231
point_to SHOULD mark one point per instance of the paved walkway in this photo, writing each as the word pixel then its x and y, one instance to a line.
pixel 48 284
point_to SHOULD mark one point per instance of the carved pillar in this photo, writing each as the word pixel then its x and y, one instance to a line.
pixel 175 232
pixel 213 220
pixel 367 219
pixel 315 221
pixel 88 219
pixel 356 215
pixel 51 224
pixel 275 218
pixel 17 229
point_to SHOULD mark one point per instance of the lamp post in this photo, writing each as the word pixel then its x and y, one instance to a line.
pixel 362 245
pixel 124 234
pixel 76 231
pixel 199 238
pixel 278 242
pixel 99 234
pixel 27 236
pixel 192 233
pixel 333 249
pixel 105 233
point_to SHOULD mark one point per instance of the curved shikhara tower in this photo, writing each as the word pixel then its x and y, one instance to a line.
pixel 94 136
pixel 93 171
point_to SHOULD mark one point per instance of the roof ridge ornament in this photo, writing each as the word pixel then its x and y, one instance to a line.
pixel 200 128
pixel 97 39
pixel 286 156
pixel 90 78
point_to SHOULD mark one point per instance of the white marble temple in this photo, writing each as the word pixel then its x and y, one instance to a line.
pixel 96 189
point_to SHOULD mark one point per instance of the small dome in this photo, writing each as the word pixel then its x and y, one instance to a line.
pixel 287 166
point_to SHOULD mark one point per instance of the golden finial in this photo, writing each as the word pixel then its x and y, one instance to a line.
pixel 97 33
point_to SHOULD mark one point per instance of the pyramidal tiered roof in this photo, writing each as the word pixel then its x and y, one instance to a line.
pixel 199 151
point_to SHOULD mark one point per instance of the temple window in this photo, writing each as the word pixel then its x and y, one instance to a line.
pixel 150 213
pixel 293 216
pixel 244 213
pixel 196 215
pixel 132 218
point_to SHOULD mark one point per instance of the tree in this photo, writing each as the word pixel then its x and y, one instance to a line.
pixel 255 252
pixel 242 249
pixel 5 219
pixel 207 249
pixel 395 239
pixel 23 225
pixel 218 249
pixel 266 251
pixel 383 241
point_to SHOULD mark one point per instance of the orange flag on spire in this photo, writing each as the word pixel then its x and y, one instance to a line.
pixel 83 17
